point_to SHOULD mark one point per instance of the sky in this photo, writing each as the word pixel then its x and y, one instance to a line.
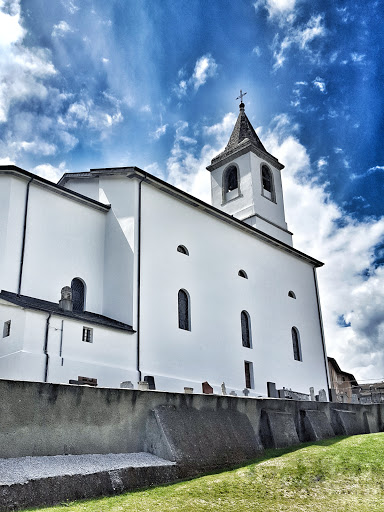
pixel 91 84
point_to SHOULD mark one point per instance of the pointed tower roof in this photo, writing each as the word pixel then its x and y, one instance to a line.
pixel 243 130
pixel 243 139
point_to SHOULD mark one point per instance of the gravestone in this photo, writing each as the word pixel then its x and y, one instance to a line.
pixel 188 390
pixel 312 394
pixel 245 391
pixel 322 395
pixel 223 389
pixel 142 386
pixel 271 390
pixel 127 384
pixel 207 388
pixel 233 393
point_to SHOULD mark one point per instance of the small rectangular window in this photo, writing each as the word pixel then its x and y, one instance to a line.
pixel 7 329
pixel 87 334
pixel 248 369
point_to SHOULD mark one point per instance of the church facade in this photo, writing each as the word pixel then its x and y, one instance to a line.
pixel 116 275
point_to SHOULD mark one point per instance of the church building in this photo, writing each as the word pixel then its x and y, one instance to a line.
pixel 116 275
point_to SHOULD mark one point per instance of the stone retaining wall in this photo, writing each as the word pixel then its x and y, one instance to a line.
pixel 53 419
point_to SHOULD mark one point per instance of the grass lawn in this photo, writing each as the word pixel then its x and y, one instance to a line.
pixel 340 474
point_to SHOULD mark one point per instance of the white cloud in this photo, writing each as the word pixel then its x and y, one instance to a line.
pixel 49 172
pixel 104 60
pixel 205 68
pixel 70 6
pixel 61 29
pixel 357 57
pixel 257 51
pixel 300 36
pixel 322 162
pixel 276 7
pixel 322 229
pixel 371 170
pixel 22 69
pixel 85 112
pixel 37 147
pixel 159 132
pixel 320 84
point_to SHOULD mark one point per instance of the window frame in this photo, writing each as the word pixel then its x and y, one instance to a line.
pixel 228 195
pixel 184 326
pixel 182 250
pixel 273 189
pixel 84 294
pixel 85 338
pixel 7 328
pixel 248 342
pixel 249 382
pixel 296 344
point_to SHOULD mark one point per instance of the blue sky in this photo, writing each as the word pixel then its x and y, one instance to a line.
pixel 89 84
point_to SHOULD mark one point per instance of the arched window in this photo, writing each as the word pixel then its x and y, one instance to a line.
pixel 184 310
pixel 230 183
pixel 242 273
pixel 296 344
pixel 246 329
pixel 267 183
pixel 78 294
pixel 182 249
pixel 291 294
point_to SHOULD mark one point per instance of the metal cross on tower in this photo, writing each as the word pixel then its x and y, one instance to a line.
pixel 242 94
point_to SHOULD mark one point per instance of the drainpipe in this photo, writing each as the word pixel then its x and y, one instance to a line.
pixel 139 279
pixel 46 347
pixel 322 331
pixel 24 233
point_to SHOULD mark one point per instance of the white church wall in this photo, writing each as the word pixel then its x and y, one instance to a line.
pixel 87 187
pixel 271 210
pixel 120 243
pixel 213 349
pixel 111 357
pixel 12 204
pixel 64 239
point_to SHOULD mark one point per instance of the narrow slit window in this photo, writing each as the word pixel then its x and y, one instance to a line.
pixel 183 250
pixel 184 310
pixel 242 273
pixel 296 344
pixel 246 329
pixel 7 329
pixel 87 334
pixel 291 294
pixel 248 371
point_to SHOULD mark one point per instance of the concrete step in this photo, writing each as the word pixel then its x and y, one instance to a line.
pixel 35 481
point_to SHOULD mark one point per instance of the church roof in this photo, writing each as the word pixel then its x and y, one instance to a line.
pixel 242 140
pixel 243 130
pixel 52 307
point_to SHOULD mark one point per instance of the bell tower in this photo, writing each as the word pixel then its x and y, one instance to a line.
pixel 246 181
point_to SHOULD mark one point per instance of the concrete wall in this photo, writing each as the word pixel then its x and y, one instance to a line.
pixel 51 419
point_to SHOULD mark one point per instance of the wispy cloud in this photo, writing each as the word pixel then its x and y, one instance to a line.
pixel 371 170
pixel 257 51
pixel 61 29
pixel 319 83
pixel 70 5
pixel 300 37
pixel 159 132
pixel 205 68
pixel 276 7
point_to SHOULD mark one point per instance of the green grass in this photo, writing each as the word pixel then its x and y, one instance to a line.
pixel 340 474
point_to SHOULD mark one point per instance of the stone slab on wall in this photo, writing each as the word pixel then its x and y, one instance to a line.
pixel 316 425
pixel 278 429
pixel 60 488
pixel 346 423
pixel 201 438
